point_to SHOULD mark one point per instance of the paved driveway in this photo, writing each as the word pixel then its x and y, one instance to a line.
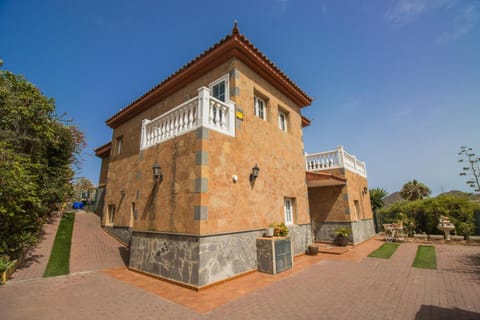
pixel 327 289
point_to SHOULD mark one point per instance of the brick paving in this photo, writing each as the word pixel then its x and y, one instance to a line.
pixel 350 286
pixel 92 248
pixel 36 260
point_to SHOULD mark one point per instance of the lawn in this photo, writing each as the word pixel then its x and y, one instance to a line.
pixel 59 260
pixel 425 258
pixel 385 251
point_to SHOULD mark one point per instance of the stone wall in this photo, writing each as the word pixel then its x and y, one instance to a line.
pixel 362 230
pixel 301 237
pixel 174 257
pixel 124 234
pixel 224 256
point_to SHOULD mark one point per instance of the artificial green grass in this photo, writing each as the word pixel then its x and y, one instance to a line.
pixel 59 260
pixel 385 251
pixel 425 258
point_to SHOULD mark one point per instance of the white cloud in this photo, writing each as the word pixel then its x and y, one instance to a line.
pixel 405 11
pixel 464 22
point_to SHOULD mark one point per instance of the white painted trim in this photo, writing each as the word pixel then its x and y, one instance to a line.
pixel 256 99
pixel 286 209
pixel 225 78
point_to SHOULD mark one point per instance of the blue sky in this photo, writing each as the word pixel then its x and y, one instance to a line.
pixel 395 82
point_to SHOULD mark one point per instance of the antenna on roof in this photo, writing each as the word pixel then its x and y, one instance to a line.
pixel 235 27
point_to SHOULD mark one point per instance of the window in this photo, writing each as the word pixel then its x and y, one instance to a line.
pixel 288 208
pixel 282 120
pixel 119 144
pixel 219 89
pixel 133 214
pixel 260 110
pixel 111 214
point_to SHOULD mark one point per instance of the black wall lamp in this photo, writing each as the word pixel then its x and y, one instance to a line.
pixel 157 172
pixel 122 193
pixel 365 190
pixel 254 174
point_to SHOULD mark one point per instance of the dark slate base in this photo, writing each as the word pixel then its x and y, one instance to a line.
pixel 361 230
pixel 122 233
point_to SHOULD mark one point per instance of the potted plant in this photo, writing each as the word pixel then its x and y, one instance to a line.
pixel 312 250
pixel 270 230
pixel 342 235
pixel 280 230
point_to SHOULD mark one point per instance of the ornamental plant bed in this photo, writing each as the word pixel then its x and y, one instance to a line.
pixel 425 258
pixel 385 251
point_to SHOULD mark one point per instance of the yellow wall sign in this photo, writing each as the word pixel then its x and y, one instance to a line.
pixel 239 115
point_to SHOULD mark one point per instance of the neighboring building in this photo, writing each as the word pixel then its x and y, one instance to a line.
pixel 205 131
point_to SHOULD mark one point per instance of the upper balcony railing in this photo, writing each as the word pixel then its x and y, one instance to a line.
pixel 203 110
pixel 335 159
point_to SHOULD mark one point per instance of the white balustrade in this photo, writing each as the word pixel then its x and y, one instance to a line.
pixel 202 110
pixel 335 159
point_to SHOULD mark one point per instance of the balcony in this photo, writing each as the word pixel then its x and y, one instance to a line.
pixel 201 111
pixel 335 159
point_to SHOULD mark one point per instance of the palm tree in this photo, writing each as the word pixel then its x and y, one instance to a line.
pixel 414 190
pixel 377 196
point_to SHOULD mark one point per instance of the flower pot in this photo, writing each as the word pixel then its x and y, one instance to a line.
pixel 341 241
pixel 269 232
pixel 312 250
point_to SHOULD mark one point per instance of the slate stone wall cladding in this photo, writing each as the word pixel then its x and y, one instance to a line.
pixel 202 260
pixel 362 230
pixel 326 231
pixel 174 257
pixel 301 237
pixel 224 256
pixel 124 234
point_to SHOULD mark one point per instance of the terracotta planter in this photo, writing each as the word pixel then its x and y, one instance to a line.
pixel 341 241
pixel 312 250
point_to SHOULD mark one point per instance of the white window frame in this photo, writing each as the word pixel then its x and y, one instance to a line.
pixel 225 79
pixel 288 210
pixel 283 122
pixel 260 112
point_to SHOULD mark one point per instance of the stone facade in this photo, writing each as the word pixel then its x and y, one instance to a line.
pixel 121 233
pixel 345 205
pixel 198 224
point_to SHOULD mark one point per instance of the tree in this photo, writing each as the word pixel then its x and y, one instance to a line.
pixel 37 151
pixel 414 190
pixel 471 167
pixel 377 197
pixel 80 187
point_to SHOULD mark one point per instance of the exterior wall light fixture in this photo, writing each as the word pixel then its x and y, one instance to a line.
pixel 254 174
pixel 365 190
pixel 122 193
pixel 157 172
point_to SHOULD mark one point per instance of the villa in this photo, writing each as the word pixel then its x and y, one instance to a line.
pixel 202 163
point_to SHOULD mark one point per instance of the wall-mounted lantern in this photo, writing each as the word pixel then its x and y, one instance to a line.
pixel 122 193
pixel 157 172
pixel 254 174
pixel 365 190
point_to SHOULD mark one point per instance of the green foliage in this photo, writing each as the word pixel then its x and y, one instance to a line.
pixel 414 190
pixel 281 230
pixel 385 251
pixel 343 232
pixel 37 150
pixel 425 258
pixel 4 263
pixel 377 196
pixel 423 215
pixel 59 261
pixel 81 187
